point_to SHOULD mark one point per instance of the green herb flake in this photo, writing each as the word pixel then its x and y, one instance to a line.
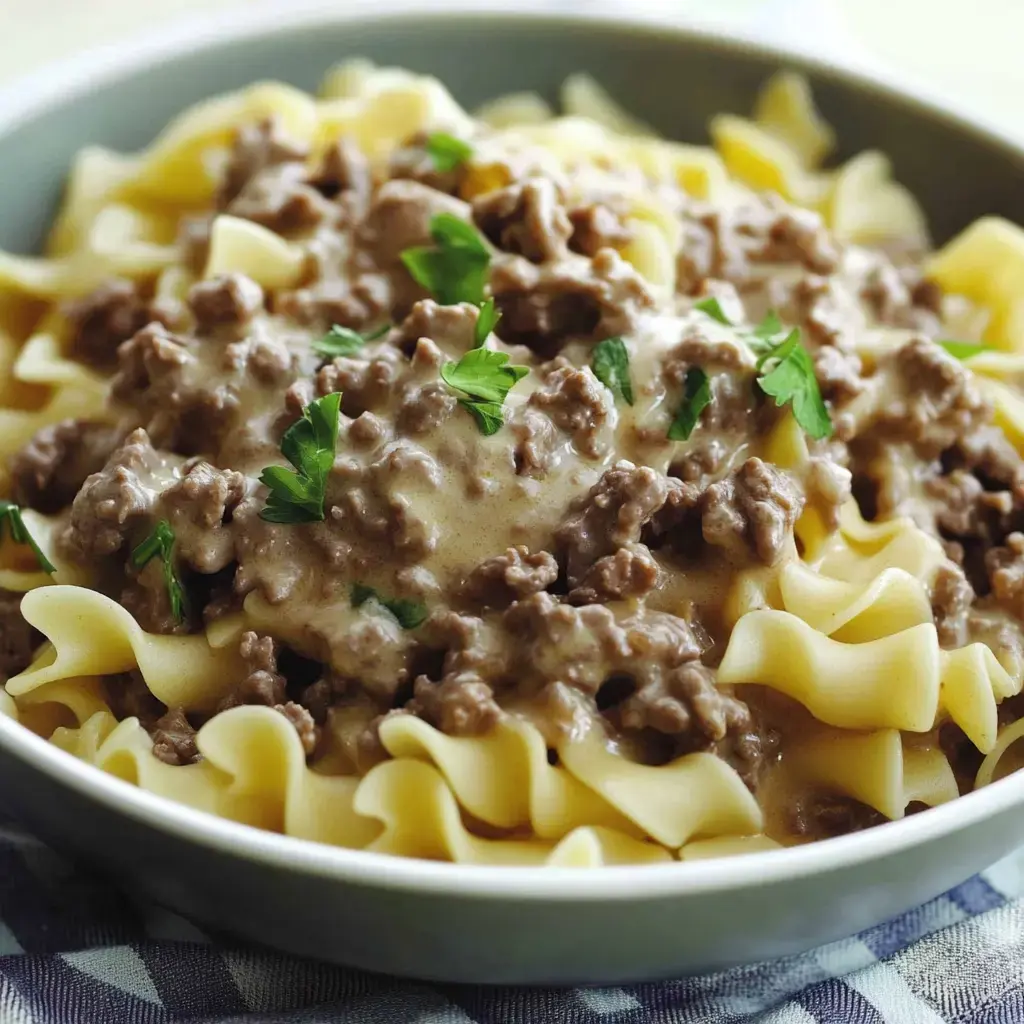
pixel 712 308
pixel 408 614
pixel 696 398
pixel 485 323
pixel 485 379
pixel 610 363
pixel 160 543
pixel 309 445
pixel 11 515
pixel 446 151
pixel 343 341
pixel 963 349
pixel 454 269
pixel 792 380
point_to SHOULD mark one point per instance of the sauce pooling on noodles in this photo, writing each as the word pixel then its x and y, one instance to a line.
pixel 515 492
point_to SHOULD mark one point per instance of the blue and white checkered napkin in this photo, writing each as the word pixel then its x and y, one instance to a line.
pixel 75 951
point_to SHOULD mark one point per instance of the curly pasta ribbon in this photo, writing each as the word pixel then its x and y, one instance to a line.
pixel 91 635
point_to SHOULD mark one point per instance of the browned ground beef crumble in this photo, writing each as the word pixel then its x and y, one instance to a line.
pixel 565 596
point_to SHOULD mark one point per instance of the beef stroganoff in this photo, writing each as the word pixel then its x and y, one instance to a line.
pixel 514 488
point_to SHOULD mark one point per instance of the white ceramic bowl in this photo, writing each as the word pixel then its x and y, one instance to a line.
pixel 443 921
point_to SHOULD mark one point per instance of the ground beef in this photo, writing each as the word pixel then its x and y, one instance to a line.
pixel 964 508
pixel 756 506
pixel 183 410
pixel 279 199
pixel 145 597
pixel 113 502
pixel 952 597
pixel 344 170
pixel 174 739
pixel 365 384
pixel 839 374
pixel 413 160
pixel 106 317
pixel 543 306
pixel 631 572
pixel 302 721
pixel 460 705
pixel 578 404
pixel 611 515
pixel 198 507
pixel 596 226
pixel 686 700
pixel 17 638
pixel 498 581
pixel 940 403
pixel 230 301
pixel 49 471
pixel 526 218
pixel 400 215
pixel 696 349
pixel 1005 567
pixel 450 327
pixel 426 408
pixel 261 682
pixel 257 147
pixel 902 298
pixel 360 302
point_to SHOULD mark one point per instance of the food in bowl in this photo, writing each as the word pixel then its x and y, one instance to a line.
pixel 514 488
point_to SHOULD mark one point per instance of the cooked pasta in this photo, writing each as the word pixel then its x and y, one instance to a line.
pixel 515 488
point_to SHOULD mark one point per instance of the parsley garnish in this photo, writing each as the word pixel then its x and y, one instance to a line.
pixel 485 379
pixel 455 269
pixel 161 542
pixel 963 349
pixel 343 341
pixel 446 151
pixel 792 380
pixel 610 364
pixel 713 309
pixel 11 514
pixel 409 614
pixel 485 323
pixel 696 398
pixel 309 445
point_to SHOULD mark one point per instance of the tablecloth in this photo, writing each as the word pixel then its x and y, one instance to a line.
pixel 74 950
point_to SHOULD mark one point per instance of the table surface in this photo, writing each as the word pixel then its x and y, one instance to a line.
pixel 968 53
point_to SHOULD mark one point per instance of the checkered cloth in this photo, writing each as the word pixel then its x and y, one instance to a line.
pixel 75 951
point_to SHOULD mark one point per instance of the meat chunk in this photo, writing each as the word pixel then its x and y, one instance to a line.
pixel 400 216
pixel 279 199
pixel 174 739
pixel 579 405
pixel 226 301
pixel 48 472
pixel 526 218
pixel 839 374
pixel 105 318
pixel 964 508
pixel 257 147
pixel 952 597
pixel 498 581
pixel 825 815
pixel 425 408
pixel 146 598
pixel 629 573
pixel 543 306
pixel 451 328
pixel 1005 566
pixel 198 507
pixel 460 705
pixel 114 501
pixel 17 638
pixel 344 169
pixel 597 226
pixel 940 401
pixel 686 700
pixel 611 515
pixel 262 683
pixel 302 721
pixel 755 507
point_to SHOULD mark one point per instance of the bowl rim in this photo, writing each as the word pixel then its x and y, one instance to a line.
pixel 33 95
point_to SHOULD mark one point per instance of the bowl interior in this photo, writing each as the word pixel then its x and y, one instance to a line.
pixel 670 78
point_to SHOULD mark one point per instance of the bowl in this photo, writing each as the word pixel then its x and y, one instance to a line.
pixel 487 924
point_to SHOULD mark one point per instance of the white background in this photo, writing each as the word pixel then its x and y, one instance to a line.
pixel 970 52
